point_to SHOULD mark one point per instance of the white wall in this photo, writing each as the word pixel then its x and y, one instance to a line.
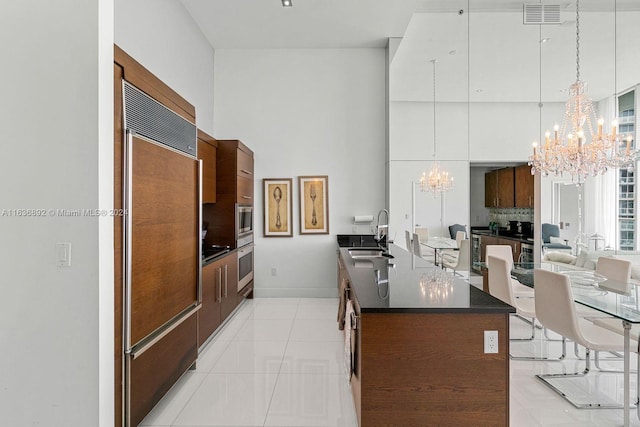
pixel 306 112
pixel 411 130
pixel 428 209
pixel 56 364
pixel 164 38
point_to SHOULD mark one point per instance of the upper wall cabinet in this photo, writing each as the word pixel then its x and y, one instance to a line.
pixel 499 188
pixel 524 187
pixel 207 152
pixel 235 171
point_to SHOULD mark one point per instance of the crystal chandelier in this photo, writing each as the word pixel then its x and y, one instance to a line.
pixel 438 180
pixel 569 150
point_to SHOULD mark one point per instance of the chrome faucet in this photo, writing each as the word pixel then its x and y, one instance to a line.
pixel 382 230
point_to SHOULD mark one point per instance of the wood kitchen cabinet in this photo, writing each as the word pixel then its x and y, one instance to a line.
pixel 234 177
pixel 235 171
pixel 524 187
pixel 229 285
pixel 219 295
pixel 209 313
pixel 499 188
pixel 207 152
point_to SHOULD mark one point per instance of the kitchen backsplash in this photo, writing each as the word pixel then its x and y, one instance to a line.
pixel 504 215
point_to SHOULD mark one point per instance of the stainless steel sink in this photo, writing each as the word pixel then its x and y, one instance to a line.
pixel 366 253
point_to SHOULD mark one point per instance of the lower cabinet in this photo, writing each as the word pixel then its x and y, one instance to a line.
pixel 229 285
pixel 219 295
pixel 155 370
pixel 209 313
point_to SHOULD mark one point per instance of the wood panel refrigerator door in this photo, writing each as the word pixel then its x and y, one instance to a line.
pixel 164 233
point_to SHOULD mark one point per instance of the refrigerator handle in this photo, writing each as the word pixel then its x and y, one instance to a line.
pixel 199 231
pixel 127 237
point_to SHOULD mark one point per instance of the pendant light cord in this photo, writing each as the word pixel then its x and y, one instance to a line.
pixel 577 40
pixel 433 61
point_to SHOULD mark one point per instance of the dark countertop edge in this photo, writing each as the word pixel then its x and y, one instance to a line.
pixel 209 260
pixel 440 310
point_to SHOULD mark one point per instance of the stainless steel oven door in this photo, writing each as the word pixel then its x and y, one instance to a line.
pixel 245 266
pixel 244 220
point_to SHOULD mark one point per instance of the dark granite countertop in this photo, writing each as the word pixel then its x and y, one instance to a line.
pixel 356 241
pixel 404 292
pixel 504 234
pixel 206 260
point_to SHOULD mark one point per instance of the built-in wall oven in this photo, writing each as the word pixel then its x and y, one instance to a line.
pixel 245 266
pixel 244 219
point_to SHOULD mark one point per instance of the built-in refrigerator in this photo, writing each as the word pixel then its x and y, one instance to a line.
pixel 161 256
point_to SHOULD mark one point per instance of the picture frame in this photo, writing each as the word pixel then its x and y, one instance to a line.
pixel 314 204
pixel 278 207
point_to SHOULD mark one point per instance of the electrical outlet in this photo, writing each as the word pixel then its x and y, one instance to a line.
pixel 490 341
pixel 273 271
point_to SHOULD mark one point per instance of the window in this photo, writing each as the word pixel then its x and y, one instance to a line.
pixel 626 178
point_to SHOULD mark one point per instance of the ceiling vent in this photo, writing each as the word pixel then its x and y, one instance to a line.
pixel 537 14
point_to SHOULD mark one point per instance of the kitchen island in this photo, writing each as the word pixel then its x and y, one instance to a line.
pixel 418 346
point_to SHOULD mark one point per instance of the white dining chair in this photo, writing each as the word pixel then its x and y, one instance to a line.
pixel 500 287
pixel 451 255
pixel 423 234
pixel 614 268
pixel 408 241
pixel 555 310
pixel 419 249
pixel 463 261
pixel 620 271
pixel 505 252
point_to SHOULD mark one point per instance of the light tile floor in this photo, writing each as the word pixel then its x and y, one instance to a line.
pixel 278 362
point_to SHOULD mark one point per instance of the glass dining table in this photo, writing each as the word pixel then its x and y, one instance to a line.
pixel 617 299
pixel 438 244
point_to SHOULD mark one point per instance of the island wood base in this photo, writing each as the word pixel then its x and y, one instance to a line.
pixel 423 369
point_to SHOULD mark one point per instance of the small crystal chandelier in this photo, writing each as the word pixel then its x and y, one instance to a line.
pixel 438 180
pixel 436 284
pixel 576 156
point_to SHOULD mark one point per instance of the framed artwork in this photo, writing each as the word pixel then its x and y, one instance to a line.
pixel 277 207
pixel 314 204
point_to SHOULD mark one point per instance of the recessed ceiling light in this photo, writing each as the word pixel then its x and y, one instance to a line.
pixel 453 52
pixel 479 90
pixel 287 3
pixel 546 39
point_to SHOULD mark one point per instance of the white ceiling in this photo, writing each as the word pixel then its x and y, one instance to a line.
pixel 496 59
pixel 266 24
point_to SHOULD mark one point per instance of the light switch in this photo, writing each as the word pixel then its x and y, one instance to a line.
pixel 63 254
